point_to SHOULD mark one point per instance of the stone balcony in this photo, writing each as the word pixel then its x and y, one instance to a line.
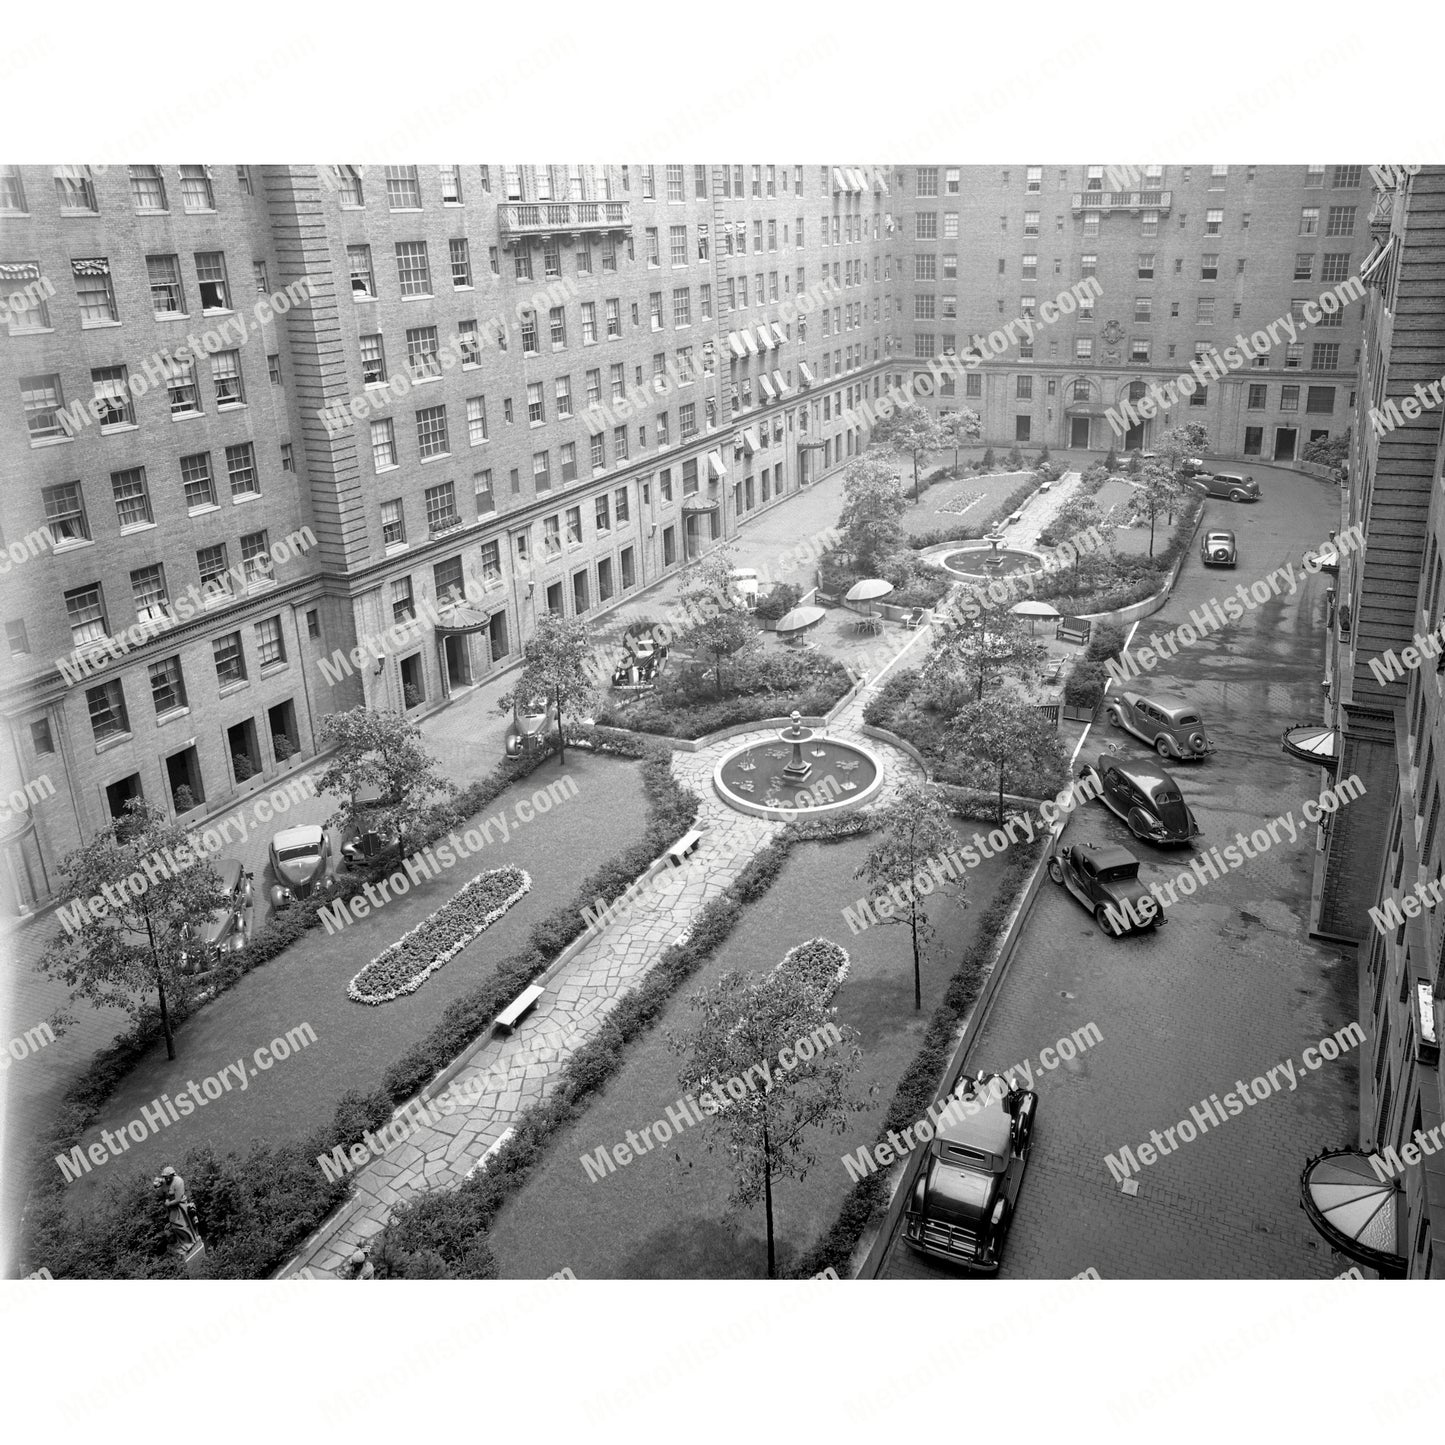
pixel 518 219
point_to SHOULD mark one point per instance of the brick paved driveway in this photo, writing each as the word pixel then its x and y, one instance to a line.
pixel 1231 986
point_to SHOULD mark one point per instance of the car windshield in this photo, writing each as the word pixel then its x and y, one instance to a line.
pixel 301 850
pixel 1118 872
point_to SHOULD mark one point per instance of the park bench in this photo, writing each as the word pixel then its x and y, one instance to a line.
pixel 525 1001
pixel 683 849
pixel 1073 629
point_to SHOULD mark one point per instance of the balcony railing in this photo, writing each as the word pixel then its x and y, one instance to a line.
pixel 546 217
pixel 1122 200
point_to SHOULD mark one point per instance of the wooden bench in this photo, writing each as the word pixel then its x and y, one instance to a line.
pixel 683 849
pixel 523 1003
pixel 1073 629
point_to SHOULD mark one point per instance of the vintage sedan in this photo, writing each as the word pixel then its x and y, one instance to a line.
pixel 1236 486
pixel 968 1187
pixel 228 929
pixel 1218 549
pixel 1171 726
pixel 1145 797
pixel 1105 879
pixel 299 859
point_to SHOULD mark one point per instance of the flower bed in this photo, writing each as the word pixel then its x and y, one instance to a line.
pixel 820 962
pixel 419 952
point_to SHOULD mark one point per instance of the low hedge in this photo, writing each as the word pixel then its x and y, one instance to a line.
pixel 1085 683
pixel 920 1083
pixel 1106 639
pixel 257 1208
pixel 962 532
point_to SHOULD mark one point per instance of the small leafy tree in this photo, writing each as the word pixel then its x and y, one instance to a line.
pixel 724 630
pixel 959 429
pixel 380 753
pixel 118 959
pixel 1011 737
pixel 1044 458
pixel 873 504
pixel 915 828
pixel 554 666
pixel 1161 492
pixel 979 642
pixel 989 461
pixel 912 431
pixel 746 1020
pixel 1015 459
pixel 1111 462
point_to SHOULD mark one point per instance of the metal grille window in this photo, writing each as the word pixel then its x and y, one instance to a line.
pixel 196 481
pixel 1340 221
pixel 927 180
pixel 270 645
pixel 393 523
pixel 106 705
pixel 431 431
pixel 241 470
pixel 111 388
pixel 1334 266
pixel 403 191
pixel 461 263
pixel 148 591
pixel 196 193
pixel 93 290
pixel 168 687
pixel 1346 178
pixel 412 269
pixel 211 276
pixel 85 611
pixel 226 378
pixel 373 359
pixel 147 188
pixel 215 573
pixel 185 396
pixel 422 351
pixel 1325 356
pixel 441 508
pixel 74 188
pixel 229 658
pixel 476 420
pixel 363 282
pixel 924 309
pixel 383 444
pixel 132 501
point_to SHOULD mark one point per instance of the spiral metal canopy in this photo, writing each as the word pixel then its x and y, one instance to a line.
pixel 1357 1211
pixel 1313 743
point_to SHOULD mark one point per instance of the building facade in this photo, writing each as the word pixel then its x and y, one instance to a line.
pixel 259 417
pixel 1189 261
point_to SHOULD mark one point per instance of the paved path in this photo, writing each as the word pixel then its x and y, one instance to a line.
pixel 514 1072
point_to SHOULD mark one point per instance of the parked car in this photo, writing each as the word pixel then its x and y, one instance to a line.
pixel 1234 485
pixel 1171 726
pixel 1105 879
pixel 228 929
pixel 1218 549
pixel 967 1190
pixel 1145 797
pixel 299 858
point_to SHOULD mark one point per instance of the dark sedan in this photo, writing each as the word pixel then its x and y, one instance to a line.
pixel 1145 797
pixel 228 929
pixel 1105 879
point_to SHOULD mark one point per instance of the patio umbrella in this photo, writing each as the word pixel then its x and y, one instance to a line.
pixel 1033 611
pixel 869 590
pixel 799 620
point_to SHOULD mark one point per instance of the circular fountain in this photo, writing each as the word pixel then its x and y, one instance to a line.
pixel 980 565
pixel 798 773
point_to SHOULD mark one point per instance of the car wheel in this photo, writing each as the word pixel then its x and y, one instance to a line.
pixel 1056 870
pixel 1161 746
pixel 1238 496
pixel 1196 741
pixel 1116 718
pixel 1101 917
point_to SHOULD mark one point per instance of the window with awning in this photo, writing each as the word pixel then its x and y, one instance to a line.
pixel 736 342
pixel 806 373
pixel 765 337
pixel 751 342
pixel 782 386
pixel 769 390
pixel 750 439
pixel 715 468
pixel 779 335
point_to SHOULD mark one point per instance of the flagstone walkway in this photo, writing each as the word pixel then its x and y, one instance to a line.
pixel 513 1072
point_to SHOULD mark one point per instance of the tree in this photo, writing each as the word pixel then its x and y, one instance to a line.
pixel 915 828
pixel 989 461
pixel 1015 459
pixel 977 642
pixel 724 630
pixel 911 431
pixel 1160 491
pixel 1176 446
pixel 1111 462
pixel 747 1019
pixel 554 666
pixel 873 504
pixel 958 429
pixel 1045 457
pixel 154 886
pixel 1011 736
pixel 379 754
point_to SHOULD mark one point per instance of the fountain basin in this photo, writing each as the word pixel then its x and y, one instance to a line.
pixel 753 778
pixel 984 563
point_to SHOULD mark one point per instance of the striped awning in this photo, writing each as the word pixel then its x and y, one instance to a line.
pixel 765 336
pixel 839 183
pixel 1313 743
pixel 769 390
pixel 751 342
pixel 736 342
pixel 750 439
pixel 715 465
pixel 782 386
pixel 805 373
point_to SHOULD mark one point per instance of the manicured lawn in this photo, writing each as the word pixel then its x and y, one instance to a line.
pixel 664 1216
pixel 307 984
pixel 946 503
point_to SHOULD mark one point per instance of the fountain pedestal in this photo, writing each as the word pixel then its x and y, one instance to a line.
pixel 799 767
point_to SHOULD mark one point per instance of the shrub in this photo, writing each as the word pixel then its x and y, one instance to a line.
pixel 1015 459
pixel 1044 457
pixel 778 602
pixel 1111 462
pixel 987 464
pixel 1085 684
pixel 1106 639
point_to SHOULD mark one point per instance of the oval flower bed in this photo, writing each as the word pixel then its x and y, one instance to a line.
pixel 819 962
pixel 418 953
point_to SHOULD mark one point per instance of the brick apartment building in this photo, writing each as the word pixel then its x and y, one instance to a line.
pixel 1187 258
pixel 465 393
pixel 1388 717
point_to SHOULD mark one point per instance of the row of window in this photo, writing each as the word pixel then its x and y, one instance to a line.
pixel 75 189
pixel 1324 355
pixel 1123 178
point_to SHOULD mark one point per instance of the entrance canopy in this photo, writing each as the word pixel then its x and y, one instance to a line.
pixel 1356 1211
pixel 1313 743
